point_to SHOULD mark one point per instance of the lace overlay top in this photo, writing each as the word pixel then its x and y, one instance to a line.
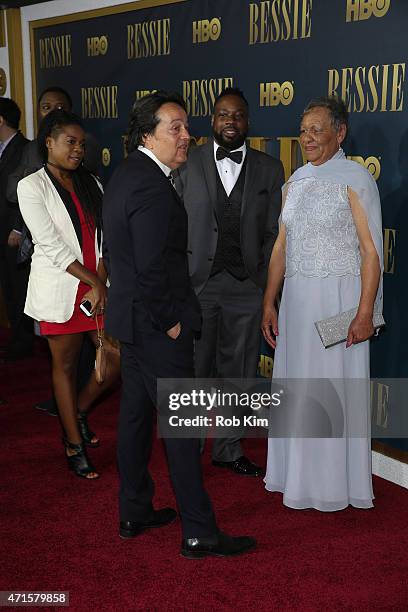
pixel 321 238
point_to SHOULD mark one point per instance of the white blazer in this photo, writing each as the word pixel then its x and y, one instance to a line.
pixel 51 289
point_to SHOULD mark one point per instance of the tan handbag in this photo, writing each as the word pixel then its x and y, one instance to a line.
pixel 100 359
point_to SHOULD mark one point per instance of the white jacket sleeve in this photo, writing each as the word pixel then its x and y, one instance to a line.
pixel 31 199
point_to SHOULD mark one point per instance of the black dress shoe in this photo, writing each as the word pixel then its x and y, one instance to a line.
pixel 49 406
pixel 242 465
pixel 222 545
pixel 160 518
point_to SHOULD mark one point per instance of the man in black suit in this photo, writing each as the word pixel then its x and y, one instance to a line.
pixel 13 277
pixel 153 311
pixel 232 195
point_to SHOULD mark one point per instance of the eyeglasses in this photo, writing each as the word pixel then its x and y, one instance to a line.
pixel 315 132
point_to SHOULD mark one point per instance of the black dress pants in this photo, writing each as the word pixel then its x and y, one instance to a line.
pixel 230 341
pixel 14 282
pixel 155 355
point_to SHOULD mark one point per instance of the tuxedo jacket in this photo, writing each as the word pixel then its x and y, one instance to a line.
pixel 55 227
pixel 196 183
pixel 145 234
pixel 8 162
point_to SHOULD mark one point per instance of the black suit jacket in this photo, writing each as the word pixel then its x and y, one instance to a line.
pixel 197 184
pixel 9 213
pixel 145 231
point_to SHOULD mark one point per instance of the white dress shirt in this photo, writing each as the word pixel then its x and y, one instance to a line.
pixel 229 170
pixel 150 154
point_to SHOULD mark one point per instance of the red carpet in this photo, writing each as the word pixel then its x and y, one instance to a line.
pixel 59 532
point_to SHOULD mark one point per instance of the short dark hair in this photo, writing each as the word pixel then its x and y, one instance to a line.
pixel 52 125
pixel 10 112
pixel 143 117
pixel 336 107
pixel 232 91
pixel 56 89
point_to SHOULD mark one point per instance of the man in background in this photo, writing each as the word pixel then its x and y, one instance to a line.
pixel 232 195
pixel 13 277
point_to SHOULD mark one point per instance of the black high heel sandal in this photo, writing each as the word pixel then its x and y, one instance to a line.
pixel 86 433
pixel 79 462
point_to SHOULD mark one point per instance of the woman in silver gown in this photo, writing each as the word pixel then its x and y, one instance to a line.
pixel 329 254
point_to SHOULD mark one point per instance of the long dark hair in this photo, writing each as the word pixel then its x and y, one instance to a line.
pixel 85 185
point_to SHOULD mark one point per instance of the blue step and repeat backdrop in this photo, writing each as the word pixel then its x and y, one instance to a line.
pixel 281 53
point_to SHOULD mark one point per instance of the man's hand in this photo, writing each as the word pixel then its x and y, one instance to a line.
pixel 269 325
pixel 14 239
pixel 175 331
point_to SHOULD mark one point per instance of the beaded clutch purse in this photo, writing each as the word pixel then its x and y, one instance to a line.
pixel 335 329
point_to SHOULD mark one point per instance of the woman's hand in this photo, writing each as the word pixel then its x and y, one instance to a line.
pixel 98 297
pixel 270 325
pixel 361 329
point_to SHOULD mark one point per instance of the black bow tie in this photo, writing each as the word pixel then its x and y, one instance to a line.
pixel 235 156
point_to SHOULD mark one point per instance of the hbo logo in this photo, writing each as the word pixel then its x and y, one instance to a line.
pixel 358 10
pixel 205 30
pixel 97 45
pixel 272 94
pixel 371 163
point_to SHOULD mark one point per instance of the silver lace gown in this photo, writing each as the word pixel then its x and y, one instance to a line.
pixel 322 279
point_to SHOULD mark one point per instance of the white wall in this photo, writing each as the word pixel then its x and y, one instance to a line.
pixel 4 61
pixel 55 8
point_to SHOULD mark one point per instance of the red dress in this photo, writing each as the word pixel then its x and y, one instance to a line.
pixel 79 322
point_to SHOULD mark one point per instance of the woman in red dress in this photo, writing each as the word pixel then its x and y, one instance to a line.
pixel 62 207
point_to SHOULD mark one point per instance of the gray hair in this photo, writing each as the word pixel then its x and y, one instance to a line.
pixel 336 107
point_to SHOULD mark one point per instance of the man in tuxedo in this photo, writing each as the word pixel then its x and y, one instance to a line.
pixel 13 277
pixel 232 195
pixel 153 311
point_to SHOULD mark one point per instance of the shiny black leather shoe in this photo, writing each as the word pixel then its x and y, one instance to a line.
pixel 242 465
pixel 222 545
pixel 49 406
pixel 160 518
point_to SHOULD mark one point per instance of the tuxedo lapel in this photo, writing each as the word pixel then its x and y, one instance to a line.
pixel 250 177
pixel 208 163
